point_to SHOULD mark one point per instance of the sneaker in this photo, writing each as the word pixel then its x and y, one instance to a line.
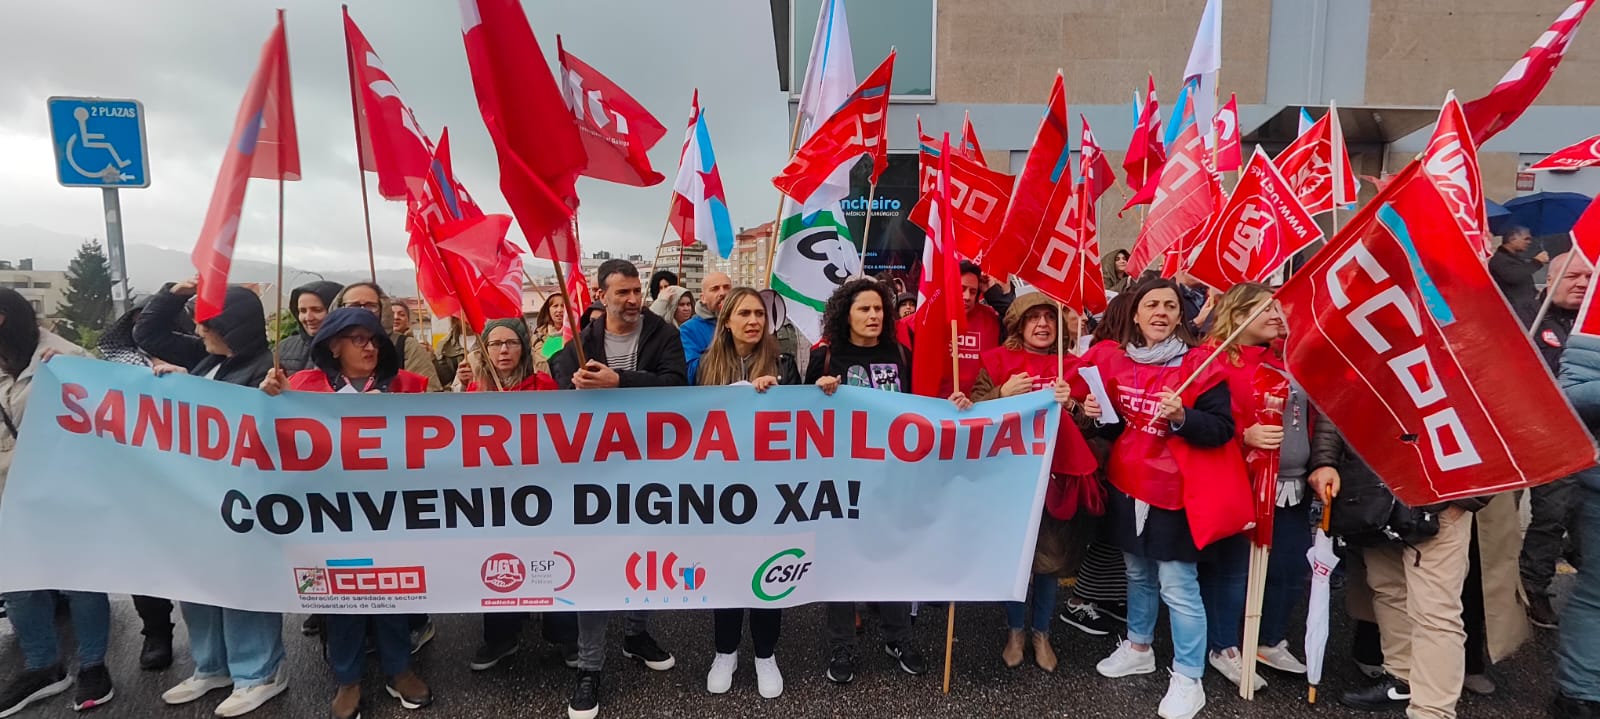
pixel 312 626
pixel 569 655
pixel 1370 671
pixel 422 635
pixel 156 654
pixel 1479 684
pixel 1565 707
pixel 1185 698
pixel 34 686
pixel 720 679
pixel 193 688
pixel 246 700
pixel 1231 665
pixel 1087 618
pixel 644 648
pixel 490 655
pixel 94 689
pixel 911 661
pixel 1115 610
pixel 1390 694
pixel 1280 658
pixel 347 702
pixel 1126 662
pixel 409 689
pixel 769 681
pixel 1540 613
pixel 585 702
pixel 842 665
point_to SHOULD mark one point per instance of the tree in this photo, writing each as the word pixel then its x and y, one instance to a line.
pixel 285 324
pixel 87 309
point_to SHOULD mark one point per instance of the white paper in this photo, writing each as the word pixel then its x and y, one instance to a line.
pixel 1097 387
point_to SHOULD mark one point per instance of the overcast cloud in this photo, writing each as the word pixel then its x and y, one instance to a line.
pixel 188 62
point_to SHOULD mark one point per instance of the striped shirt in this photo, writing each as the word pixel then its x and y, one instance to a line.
pixel 622 351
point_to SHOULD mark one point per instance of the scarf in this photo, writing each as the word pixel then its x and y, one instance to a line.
pixel 1160 353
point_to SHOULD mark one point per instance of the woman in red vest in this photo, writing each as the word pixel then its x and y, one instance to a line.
pixel 352 354
pixel 1027 361
pixel 1159 465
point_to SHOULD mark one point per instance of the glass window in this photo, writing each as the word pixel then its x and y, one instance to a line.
pixel 906 25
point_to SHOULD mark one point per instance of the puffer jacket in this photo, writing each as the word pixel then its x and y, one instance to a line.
pixel 416 357
pixel 294 351
pixel 1580 379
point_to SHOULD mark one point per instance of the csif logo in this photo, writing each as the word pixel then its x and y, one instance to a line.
pixel 777 577
pixel 652 572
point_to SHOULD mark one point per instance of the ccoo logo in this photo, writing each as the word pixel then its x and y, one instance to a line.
pixel 651 572
pixel 503 573
pixel 777 577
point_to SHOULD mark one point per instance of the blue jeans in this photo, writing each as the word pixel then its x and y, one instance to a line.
pixel 347 634
pixel 247 646
pixel 1042 594
pixel 1177 583
pixel 1222 586
pixel 1578 657
pixel 1287 569
pixel 33 615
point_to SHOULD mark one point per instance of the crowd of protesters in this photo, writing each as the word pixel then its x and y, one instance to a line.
pixel 1139 513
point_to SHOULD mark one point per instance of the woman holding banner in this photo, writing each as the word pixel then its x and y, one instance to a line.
pixel 509 367
pixel 351 354
pixel 231 647
pixel 1167 462
pixel 743 350
pixel 1253 368
pixel 1027 360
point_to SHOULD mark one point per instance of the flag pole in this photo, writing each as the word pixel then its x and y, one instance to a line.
pixel 866 230
pixel 572 317
pixel 277 316
pixel 1549 289
pixel 361 169
pixel 1222 348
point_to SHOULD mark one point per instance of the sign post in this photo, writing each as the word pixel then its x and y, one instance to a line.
pixel 101 143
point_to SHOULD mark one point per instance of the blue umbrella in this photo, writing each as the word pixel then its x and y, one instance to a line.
pixel 1543 213
pixel 1495 210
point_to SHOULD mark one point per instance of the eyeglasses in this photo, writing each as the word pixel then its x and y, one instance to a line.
pixel 498 345
pixel 358 340
pixel 368 306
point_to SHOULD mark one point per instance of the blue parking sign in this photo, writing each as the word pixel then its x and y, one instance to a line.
pixel 99 142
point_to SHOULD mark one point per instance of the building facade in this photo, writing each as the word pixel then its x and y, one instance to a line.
pixel 46 290
pixel 747 263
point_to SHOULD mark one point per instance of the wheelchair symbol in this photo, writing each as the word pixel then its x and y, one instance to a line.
pixel 94 140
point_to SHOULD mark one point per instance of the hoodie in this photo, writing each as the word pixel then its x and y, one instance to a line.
pixel 294 351
pixel 325 376
pixel 416 357
pixel 117 344
pixel 666 306
pixel 242 324
pixel 696 335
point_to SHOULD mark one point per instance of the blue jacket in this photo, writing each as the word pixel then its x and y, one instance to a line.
pixel 1580 379
pixel 696 335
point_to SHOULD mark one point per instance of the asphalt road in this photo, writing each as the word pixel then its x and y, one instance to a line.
pixel 536 684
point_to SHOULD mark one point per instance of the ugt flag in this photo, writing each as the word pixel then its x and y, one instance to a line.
pixel 1260 228
pixel 1403 341
pixel 263 145
pixel 699 205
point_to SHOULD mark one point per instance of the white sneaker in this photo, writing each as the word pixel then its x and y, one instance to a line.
pixel 1185 698
pixel 1231 665
pixel 193 688
pixel 1280 658
pixel 1126 662
pixel 769 681
pixel 720 679
pixel 244 701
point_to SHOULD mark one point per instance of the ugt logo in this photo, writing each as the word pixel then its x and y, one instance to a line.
pixel 662 573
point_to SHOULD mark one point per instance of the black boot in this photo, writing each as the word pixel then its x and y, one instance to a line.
pixel 156 654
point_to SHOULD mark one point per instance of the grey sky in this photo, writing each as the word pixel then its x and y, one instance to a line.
pixel 189 62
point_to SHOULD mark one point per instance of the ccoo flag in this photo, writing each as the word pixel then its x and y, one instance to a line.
pixel 392 142
pixel 1521 85
pixel 618 132
pixel 263 145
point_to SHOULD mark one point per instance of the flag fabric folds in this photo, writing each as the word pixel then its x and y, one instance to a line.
pixel 1095 169
pixel 1259 229
pixel 617 131
pixel 970 149
pixel 1586 242
pixel 858 128
pixel 1186 194
pixel 699 204
pixel 1572 157
pixel 1229 153
pixel 538 145
pixel 1451 163
pixel 1046 173
pixel 263 145
pixel 1308 164
pixel 941 301
pixel 1205 63
pixel 1146 153
pixel 1521 85
pixel 978 203
pixel 392 142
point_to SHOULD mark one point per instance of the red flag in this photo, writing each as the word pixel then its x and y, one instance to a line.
pixel 1583 154
pixel 539 147
pixel 1261 227
pixel 1451 162
pixel 970 149
pixel 1064 261
pixel 1404 343
pixel 1093 166
pixel 943 308
pixel 857 128
pixel 1490 114
pixel 392 142
pixel 979 197
pixel 1186 195
pixel 577 289
pixel 1307 163
pixel 1044 175
pixel 618 132
pixel 263 145
pixel 1230 155
pixel 1146 154
pixel 1586 242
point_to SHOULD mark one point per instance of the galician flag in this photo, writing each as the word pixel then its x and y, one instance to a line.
pixel 1205 64
pixel 699 206
pixel 815 253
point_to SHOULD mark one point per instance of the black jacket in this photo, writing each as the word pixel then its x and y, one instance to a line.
pixel 1328 449
pixel 1551 337
pixel 660 359
pixel 294 351
pixel 1514 275
pixel 242 324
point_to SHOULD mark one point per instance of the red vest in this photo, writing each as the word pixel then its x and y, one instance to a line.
pixel 1072 452
pixel 532 383
pixel 315 380
pixel 982 335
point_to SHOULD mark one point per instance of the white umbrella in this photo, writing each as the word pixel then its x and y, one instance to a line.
pixel 1323 560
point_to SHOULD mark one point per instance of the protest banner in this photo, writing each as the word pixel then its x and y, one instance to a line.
pixel 638 499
